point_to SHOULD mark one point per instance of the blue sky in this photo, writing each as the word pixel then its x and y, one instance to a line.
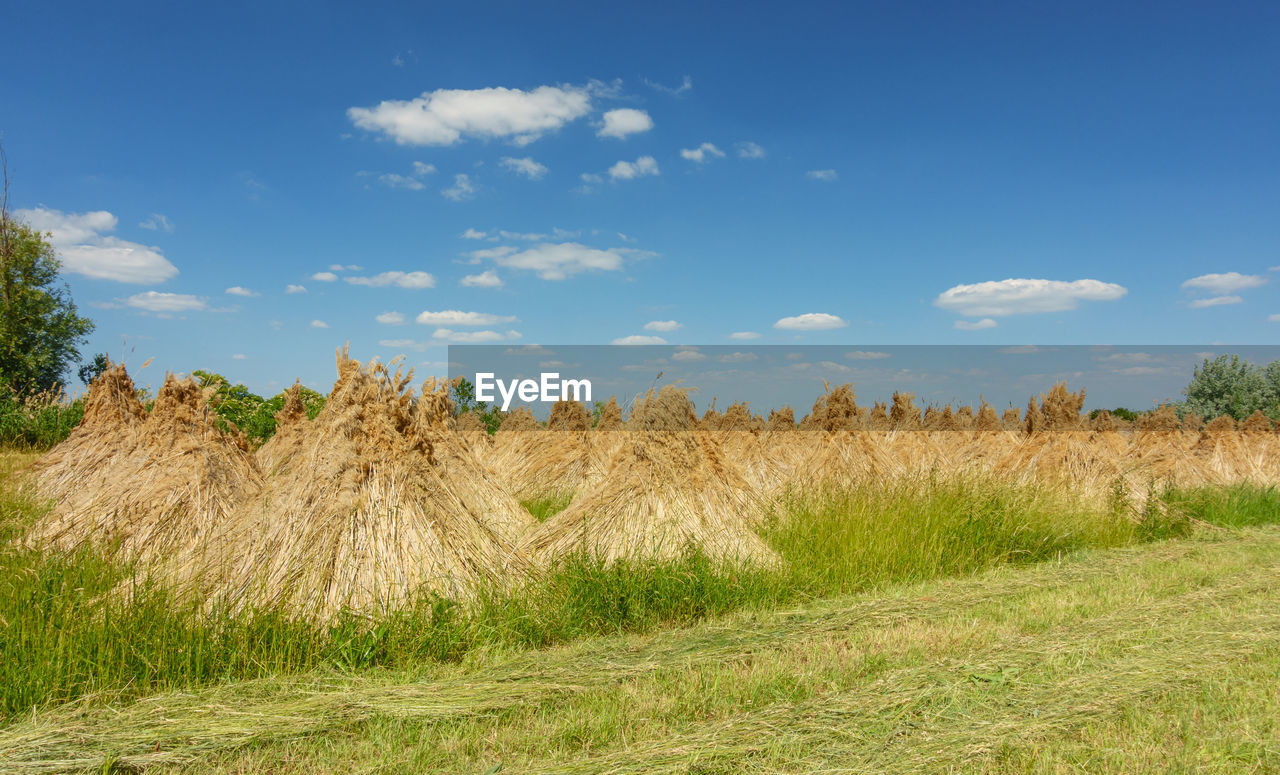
pixel 880 173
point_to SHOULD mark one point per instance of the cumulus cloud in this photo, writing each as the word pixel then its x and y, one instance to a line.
pixel 749 150
pixel 626 170
pixel 461 189
pixel 447 116
pixel 486 279
pixel 1224 283
pixel 975 325
pixel 526 166
pixel 1216 301
pixel 556 261
pixel 390 319
pixel 702 153
pixel 453 317
pixel 295 289
pixel 744 335
pixel 157 222
pixel 624 121
pixel 688 355
pixel 474 234
pixel 319 324
pixel 85 248
pixel 412 280
pixel 639 339
pixel 662 325
pixel 811 321
pixel 997 298
pixel 165 303
pixel 393 180
pixel 237 290
pixel 324 277
pixel 826 176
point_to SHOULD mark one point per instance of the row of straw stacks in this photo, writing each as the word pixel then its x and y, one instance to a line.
pixel 388 494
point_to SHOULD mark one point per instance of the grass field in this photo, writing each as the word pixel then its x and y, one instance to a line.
pixel 931 626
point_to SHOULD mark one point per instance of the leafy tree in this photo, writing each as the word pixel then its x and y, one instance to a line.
pixel 90 371
pixel 463 394
pixel 1233 386
pixel 249 412
pixel 40 330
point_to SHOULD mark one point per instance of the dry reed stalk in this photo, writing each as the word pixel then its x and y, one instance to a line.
pixel 167 482
pixel 286 442
pixel 385 501
pixel 555 462
pixel 668 487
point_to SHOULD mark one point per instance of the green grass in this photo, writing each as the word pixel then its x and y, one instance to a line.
pixel 38 422
pixel 63 638
pixel 1155 658
pixel 543 509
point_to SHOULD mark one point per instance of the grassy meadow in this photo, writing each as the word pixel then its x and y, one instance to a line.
pixel 76 655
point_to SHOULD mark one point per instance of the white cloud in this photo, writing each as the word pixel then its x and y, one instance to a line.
pixel 453 317
pixel 390 319
pixel 624 121
pixel 811 321
pixel 975 325
pixel 422 169
pixel 526 236
pixel 345 267
pixel 591 177
pixel 295 289
pixel 662 325
pixel 743 335
pixel 702 153
pixel 626 170
pixel 81 242
pixel 486 279
pixel 447 116
pixel 393 180
pixel 1273 318
pixel 557 261
pixel 472 337
pixel 688 355
pixel 749 150
pixel 324 277
pixel 155 301
pixel 639 339
pixel 1226 282
pixel 997 298
pixel 319 324
pixel 1216 301
pixel 866 355
pixel 462 188
pixel 526 166
pixel 413 280
pixel 157 222
pixel 239 357
pixel 738 358
pixel 826 176
pixel 473 234
pixel 676 91
pixel 237 290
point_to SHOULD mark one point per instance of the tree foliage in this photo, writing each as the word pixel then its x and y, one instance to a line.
pixel 249 412
pixel 1231 385
pixel 463 394
pixel 40 329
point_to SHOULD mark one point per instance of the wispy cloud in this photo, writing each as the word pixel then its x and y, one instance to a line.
pixel 703 153
pixel 826 176
pixel 526 166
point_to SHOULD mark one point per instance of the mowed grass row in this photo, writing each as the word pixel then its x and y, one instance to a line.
pixel 1155 658
pixel 64 638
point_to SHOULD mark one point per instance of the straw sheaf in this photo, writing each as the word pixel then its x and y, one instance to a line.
pixel 903 415
pixel 610 416
pixel 167 484
pixel 385 502
pixel 668 488
pixel 783 419
pixel 285 443
pixel 550 463
pixel 569 416
pixel 1231 454
pixel 77 466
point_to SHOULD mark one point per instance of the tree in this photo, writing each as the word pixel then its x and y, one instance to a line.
pixel 90 371
pixel 1232 386
pixel 40 330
